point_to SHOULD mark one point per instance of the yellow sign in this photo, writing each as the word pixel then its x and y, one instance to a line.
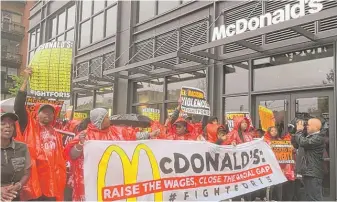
pixel 80 116
pixel 51 67
pixel 130 168
pixel 266 117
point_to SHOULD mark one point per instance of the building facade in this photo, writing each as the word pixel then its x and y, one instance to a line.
pixel 134 56
pixel 14 40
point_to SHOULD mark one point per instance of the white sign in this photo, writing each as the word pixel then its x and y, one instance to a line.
pixel 144 171
pixel 288 12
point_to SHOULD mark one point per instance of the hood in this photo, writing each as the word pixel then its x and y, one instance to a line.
pixel 57 110
pixel 237 123
pixel 189 126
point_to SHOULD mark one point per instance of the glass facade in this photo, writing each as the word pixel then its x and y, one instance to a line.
pixel 61 24
pixel 148 9
pixel 98 21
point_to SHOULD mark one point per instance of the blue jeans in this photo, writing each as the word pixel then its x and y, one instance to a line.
pixel 313 188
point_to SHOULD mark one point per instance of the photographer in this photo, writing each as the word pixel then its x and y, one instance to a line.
pixel 312 161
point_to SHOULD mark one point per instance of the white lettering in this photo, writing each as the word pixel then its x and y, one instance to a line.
pixel 280 15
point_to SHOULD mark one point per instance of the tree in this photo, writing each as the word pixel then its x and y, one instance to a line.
pixel 17 81
pixel 330 77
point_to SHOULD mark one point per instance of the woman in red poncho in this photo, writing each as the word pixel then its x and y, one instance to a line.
pixel 240 133
pixel 98 129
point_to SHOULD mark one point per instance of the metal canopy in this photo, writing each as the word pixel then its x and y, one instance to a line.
pixel 91 82
pixel 158 63
pixel 293 24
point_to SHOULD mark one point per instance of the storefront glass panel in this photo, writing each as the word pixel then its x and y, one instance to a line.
pixel 236 78
pixel 151 91
pixel 308 67
pixel 235 104
pixel 187 80
pixel 85 101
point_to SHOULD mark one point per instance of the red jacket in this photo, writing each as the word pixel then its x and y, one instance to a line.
pixel 212 132
pixel 190 135
pixel 234 134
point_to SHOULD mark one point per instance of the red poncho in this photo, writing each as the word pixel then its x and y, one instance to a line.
pixel 48 171
pixel 190 135
pixel 234 134
pixel 287 168
pixel 76 168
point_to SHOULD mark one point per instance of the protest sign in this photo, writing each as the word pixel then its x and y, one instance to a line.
pixel 267 119
pixel 152 113
pixel 283 150
pixel 230 116
pixel 31 101
pixel 51 65
pixel 193 101
pixel 66 136
pixel 69 113
pixel 80 115
pixel 144 171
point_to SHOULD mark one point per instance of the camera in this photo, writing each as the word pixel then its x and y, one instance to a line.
pixel 292 128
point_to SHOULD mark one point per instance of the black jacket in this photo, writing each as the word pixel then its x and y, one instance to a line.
pixel 311 164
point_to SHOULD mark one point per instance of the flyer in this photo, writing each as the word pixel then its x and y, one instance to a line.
pixel 193 101
pixel 51 66
pixel 31 101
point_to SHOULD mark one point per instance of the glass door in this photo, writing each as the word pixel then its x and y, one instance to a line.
pixel 320 105
pixel 279 105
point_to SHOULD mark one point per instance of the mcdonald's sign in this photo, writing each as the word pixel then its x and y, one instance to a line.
pixel 130 168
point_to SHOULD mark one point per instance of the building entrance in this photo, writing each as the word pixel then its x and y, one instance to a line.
pixel 318 104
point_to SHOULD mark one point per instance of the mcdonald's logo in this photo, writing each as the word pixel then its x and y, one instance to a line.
pixel 130 168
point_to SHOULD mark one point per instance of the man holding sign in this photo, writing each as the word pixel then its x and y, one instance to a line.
pixel 48 177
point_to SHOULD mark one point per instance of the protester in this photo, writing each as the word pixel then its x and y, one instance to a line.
pixel 275 192
pixel 15 160
pixel 48 177
pixel 240 133
pixel 312 164
pixel 182 130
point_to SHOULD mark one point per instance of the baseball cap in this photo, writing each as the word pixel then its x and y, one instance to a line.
pixel 13 116
pixel 44 106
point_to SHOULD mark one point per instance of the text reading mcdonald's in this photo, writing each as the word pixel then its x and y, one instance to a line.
pixel 183 172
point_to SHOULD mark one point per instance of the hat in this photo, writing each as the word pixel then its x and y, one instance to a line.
pixel 44 106
pixel 13 116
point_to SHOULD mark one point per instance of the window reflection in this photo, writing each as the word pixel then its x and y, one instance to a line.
pixel 104 98
pixel 61 23
pixel 196 80
pixel 32 39
pixel 85 34
pixel 146 10
pixel 236 104
pixel 84 100
pixel 70 35
pixel 282 71
pixel 236 78
pixel 86 9
pixel 60 38
pixel 98 6
pixel 111 19
pixel 98 26
pixel 164 6
pixel 151 91
pixel 53 27
pixel 71 17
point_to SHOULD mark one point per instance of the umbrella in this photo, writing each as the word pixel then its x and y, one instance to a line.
pixel 8 104
pixel 134 120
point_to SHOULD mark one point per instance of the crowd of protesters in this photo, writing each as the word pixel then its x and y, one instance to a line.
pixel 33 157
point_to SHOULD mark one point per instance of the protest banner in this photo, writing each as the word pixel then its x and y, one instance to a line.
pixel 267 118
pixel 230 116
pixel 283 150
pixel 51 65
pixel 193 101
pixel 31 101
pixel 144 171
pixel 66 136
